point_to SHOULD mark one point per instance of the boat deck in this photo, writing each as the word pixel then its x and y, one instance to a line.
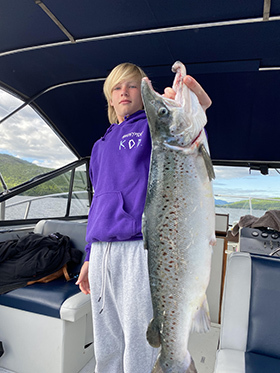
pixel 202 348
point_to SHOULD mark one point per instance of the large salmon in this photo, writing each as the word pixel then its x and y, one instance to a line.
pixel 178 222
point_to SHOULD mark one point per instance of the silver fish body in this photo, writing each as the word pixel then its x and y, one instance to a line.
pixel 178 223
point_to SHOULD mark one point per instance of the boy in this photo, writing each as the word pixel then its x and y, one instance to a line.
pixel 115 271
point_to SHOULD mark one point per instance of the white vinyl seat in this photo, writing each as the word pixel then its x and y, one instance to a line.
pixel 250 328
pixel 47 328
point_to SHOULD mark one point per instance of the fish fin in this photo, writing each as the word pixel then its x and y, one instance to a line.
pixel 208 163
pixel 153 335
pixel 157 367
pixel 191 368
pixel 201 322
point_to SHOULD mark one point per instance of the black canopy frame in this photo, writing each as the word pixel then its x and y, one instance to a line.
pixel 55 55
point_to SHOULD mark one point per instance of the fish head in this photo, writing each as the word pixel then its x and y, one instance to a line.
pixel 159 112
pixel 176 122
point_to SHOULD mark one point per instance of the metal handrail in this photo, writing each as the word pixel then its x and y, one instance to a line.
pixel 30 200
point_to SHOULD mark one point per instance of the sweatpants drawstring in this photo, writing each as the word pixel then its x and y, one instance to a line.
pixel 104 275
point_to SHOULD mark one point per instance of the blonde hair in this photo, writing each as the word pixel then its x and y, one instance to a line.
pixel 121 72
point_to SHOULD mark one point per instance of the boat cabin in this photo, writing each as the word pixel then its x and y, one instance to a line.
pixel 54 58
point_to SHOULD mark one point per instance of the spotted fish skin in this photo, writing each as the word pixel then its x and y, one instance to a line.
pixel 178 223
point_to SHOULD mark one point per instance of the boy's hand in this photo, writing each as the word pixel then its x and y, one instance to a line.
pixel 192 84
pixel 83 279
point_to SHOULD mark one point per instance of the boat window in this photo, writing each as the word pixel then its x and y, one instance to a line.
pixel 79 200
pixel 240 191
pixel 52 199
pixel 28 146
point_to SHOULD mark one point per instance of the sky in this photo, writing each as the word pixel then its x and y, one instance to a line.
pixel 239 181
pixel 27 136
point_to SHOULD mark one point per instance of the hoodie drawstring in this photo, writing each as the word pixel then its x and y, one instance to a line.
pixel 104 275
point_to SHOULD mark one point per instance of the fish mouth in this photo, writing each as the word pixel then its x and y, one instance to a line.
pixel 147 91
pixel 149 95
pixel 147 81
pixel 182 118
pixel 149 98
pixel 178 87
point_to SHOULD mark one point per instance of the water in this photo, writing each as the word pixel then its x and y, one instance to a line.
pixel 49 207
pixel 235 213
pixel 52 207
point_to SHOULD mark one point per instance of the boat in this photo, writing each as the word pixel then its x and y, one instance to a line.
pixel 54 58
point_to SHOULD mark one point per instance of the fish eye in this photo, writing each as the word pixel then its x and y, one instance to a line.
pixel 162 111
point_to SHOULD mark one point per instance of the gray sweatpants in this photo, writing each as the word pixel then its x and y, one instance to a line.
pixel 118 274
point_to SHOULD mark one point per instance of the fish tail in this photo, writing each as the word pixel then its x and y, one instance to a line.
pixel 201 322
pixel 191 368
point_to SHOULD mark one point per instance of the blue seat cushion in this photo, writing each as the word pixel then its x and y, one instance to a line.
pixel 255 363
pixel 43 298
pixel 263 333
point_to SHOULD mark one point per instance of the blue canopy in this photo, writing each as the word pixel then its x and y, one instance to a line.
pixel 55 55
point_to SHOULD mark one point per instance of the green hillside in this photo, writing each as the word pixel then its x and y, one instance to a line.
pixel 256 204
pixel 17 171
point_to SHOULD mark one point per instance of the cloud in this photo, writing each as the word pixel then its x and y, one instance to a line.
pixel 223 172
pixel 7 103
pixel 240 182
pixel 27 136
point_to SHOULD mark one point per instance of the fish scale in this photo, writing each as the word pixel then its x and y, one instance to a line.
pixel 178 227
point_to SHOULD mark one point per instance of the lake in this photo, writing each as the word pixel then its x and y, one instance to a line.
pixel 52 207
pixel 43 208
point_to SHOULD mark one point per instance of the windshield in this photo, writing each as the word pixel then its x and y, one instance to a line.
pixel 28 146
pixel 240 191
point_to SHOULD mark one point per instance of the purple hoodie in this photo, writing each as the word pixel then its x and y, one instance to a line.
pixel 119 168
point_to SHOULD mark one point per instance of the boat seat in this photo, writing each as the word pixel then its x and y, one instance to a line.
pixel 48 327
pixel 250 328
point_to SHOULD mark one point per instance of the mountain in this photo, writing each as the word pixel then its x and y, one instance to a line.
pixel 263 204
pixel 16 171
pixel 220 202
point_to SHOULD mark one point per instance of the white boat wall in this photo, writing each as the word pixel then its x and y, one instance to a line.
pixel 54 58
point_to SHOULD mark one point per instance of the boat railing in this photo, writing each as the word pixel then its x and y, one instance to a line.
pixel 250 209
pixel 28 201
